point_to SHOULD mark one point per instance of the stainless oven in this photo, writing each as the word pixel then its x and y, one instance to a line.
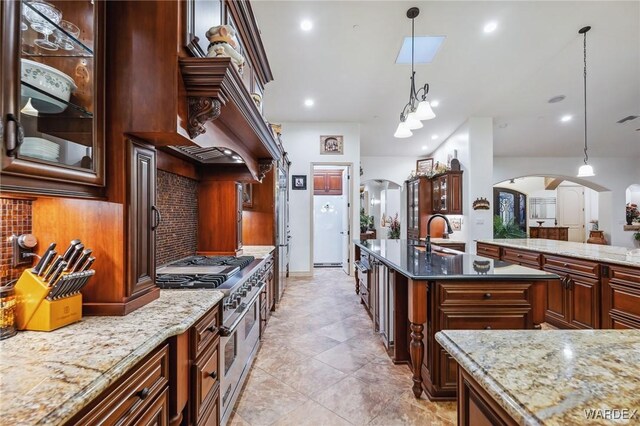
pixel 238 345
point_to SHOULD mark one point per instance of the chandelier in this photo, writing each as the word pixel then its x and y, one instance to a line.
pixel 417 109
pixel 585 170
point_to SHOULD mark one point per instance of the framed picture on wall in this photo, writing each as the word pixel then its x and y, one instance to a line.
pixel 299 182
pixel 424 167
pixel 247 195
pixel 332 145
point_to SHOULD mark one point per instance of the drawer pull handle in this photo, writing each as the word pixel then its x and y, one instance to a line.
pixel 213 375
pixel 487 295
pixel 144 393
pixel 488 327
pixel 566 265
pixel 519 255
pixel 212 329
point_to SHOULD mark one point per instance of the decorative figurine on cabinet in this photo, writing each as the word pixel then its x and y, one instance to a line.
pixel 222 44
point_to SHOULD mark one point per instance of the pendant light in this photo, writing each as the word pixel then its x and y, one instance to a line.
pixel 418 108
pixel 585 170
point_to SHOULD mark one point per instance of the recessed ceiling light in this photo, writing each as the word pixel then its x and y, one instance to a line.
pixel 308 102
pixel 490 27
pixel 566 118
pixel 434 137
pixel 227 151
pixel 557 99
pixel 306 25
pixel 424 147
pixel 434 103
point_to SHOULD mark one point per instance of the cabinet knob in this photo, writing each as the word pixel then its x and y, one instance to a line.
pixel 519 255
pixel 488 327
pixel 487 295
pixel 213 375
pixel 566 265
pixel 144 393
pixel 212 329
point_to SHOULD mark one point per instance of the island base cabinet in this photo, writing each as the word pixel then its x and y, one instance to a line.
pixel 476 407
pixel 620 298
pixel 157 414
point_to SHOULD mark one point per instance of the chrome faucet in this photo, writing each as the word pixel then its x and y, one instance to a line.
pixel 428 239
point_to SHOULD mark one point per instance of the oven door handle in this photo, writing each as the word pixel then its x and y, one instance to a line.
pixel 228 331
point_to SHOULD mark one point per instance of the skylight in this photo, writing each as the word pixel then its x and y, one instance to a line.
pixel 426 48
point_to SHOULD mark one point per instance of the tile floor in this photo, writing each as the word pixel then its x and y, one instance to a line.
pixel 321 364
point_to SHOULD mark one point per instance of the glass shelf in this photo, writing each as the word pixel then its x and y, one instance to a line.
pixel 79 48
pixel 71 110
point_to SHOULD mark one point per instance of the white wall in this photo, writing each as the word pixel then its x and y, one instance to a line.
pixel 474 143
pixel 613 176
pixel 302 143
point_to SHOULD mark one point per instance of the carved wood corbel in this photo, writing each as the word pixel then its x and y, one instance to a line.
pixel 201 110
pixel 264 166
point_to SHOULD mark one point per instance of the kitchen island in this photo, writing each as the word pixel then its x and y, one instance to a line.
pixel 555 377
pixel 446 289
pixel 54 377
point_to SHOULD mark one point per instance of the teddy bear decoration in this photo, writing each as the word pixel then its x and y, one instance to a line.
pixel 222 44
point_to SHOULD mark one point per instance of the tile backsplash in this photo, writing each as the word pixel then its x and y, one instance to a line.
pixel 177 201
pixel 15 220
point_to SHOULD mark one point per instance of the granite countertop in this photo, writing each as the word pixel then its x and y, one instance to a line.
pixel 597 252
pixel 443 241
pixel 259 252
pixel 551 377
pixel 412 261
pixel 46 378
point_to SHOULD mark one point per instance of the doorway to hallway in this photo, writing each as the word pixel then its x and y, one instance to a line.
pixel 331 216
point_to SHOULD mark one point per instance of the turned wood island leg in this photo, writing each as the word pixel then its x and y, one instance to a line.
pixel 417 317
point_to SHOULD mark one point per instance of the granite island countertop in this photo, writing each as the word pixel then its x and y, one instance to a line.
pixel 259 252
pixel 412 261
pixel 551 377
pixel 48 377
pixel 596 252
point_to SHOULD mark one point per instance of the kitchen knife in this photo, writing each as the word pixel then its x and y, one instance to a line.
pixel 52 268
pixel 47 262
pixel 58 271
pixel 55 290
pixel 75 283
pixel 88 264
pixel 40 264
pixel 77 252
pixel 70 249
pixel 81 260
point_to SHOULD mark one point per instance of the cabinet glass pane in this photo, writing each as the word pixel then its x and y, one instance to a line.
pixel 58 82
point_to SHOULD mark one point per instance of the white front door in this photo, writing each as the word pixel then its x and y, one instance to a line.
pixel 346 224
pixel 571 211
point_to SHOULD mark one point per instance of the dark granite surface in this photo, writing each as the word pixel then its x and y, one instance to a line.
pixel 445 264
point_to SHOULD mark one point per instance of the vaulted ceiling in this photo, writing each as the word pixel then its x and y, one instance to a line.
pixel 346 64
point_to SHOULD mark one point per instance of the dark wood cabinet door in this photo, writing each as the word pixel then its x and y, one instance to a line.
pixel 454 193
pixel 557 303
pixel 584 298
pixel 328 182
pixel 334 183
pixel 143 218
pixel 318 184
pixel 239 216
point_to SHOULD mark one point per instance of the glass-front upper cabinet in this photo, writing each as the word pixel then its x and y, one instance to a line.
pixel 53 94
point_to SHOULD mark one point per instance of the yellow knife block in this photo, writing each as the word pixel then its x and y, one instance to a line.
pixel 35 312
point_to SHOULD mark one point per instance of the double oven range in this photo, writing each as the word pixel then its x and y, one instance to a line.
pixel 242 280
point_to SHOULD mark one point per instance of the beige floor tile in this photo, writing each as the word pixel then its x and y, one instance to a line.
pixel 312 344
pixel 265 402
pixel 401 413
pixel 390 378
pixel 445 410
pixel 354 400
pixel 344 358
pixel 309 376
pixel 339 331
pixel 273 357
pixel 237 420
pixel 311 414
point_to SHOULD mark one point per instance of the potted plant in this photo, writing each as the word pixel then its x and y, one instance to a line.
pixel 636 236
pixel 508 229
pixel 364 221
pixel 632 213
pixel 394 228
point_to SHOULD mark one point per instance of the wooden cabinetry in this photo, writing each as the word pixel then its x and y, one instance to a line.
pixel 327 182
pixel 144 218
pixel 267 297
pixel 476 407
pixel 560 233
pixel 418 207
pixel 52 147
pixel 574 301
pixel 138 398
pixel 488 250
pixel 219 204
pixel 451 245
pixel 447 193
pixel 620 297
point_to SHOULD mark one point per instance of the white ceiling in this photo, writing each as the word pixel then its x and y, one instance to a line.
pixel 535 54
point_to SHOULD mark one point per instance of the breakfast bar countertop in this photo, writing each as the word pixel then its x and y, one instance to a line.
pixel 555 377
pixel 412 261
pixel 600 253
pixel 48 377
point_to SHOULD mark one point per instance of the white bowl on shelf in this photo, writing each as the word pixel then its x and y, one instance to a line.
pixel 50 81
pixel 40 148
